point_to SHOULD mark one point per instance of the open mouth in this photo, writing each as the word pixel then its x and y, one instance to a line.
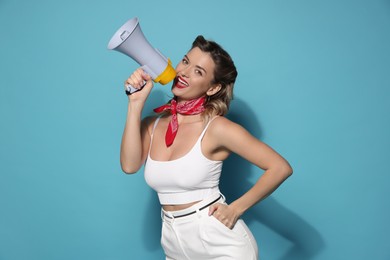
pixel 181 83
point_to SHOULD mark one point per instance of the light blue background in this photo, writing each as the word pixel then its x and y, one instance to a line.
pixel 313 83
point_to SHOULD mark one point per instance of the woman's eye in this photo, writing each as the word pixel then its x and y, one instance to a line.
pixel 184 61
pixel 198 72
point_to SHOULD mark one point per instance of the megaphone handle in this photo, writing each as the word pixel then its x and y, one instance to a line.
pixel 130 89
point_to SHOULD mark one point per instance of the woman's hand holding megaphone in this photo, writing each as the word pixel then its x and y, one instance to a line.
pixel 138 81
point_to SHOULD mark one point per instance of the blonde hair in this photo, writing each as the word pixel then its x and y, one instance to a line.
pixel 225 74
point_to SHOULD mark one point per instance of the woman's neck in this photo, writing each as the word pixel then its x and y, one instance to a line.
pixel 189 119
pixel 180 100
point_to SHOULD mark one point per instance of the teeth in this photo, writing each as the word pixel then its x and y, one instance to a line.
pixel 182 82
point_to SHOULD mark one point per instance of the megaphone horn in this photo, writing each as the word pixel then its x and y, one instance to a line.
pixel 130 40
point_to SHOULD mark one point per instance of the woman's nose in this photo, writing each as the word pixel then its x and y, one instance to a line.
pixel 184 72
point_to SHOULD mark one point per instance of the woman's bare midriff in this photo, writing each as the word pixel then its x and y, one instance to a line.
pixel 178 207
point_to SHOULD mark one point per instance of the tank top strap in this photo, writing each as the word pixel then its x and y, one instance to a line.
pixel 205 129
pixel 154 125
pixel 151 136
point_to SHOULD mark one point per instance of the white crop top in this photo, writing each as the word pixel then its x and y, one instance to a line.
pixel 190 178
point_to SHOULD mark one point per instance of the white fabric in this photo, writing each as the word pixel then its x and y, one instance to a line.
pixel 201 237
pixel 190 178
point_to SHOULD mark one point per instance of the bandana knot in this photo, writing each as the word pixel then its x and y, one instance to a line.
pixel 192 107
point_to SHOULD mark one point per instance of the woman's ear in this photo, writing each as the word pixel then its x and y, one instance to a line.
pixel 213 89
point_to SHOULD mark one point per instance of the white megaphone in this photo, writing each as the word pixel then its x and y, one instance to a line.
pixel 130 40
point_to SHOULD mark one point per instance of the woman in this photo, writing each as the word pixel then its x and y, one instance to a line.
pixel 183 149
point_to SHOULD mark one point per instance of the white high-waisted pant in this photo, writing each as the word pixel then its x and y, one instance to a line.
pixel 200 237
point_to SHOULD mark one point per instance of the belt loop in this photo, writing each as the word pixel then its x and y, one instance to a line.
pixel 167 217
pixel 198 213
pixel 223 197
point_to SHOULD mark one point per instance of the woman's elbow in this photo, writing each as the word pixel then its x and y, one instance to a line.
pixel 287 170
pixel 128 169
pixel 283 169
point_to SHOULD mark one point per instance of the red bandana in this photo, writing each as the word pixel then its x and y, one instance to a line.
pixel 192 107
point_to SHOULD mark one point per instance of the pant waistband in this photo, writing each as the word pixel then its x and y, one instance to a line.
pixel 194 208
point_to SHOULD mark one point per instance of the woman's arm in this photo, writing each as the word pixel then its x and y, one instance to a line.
pixel 236 139
pixel 134 146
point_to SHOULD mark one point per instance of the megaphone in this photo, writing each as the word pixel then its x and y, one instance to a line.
pixel 130 40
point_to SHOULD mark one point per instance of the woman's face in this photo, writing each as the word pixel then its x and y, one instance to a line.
pixel 194 75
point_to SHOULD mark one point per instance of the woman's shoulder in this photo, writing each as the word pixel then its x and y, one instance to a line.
pixel 225 133
pixel 222 121
pixel 221 125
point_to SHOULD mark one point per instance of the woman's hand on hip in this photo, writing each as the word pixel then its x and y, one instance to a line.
pixel 225 214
